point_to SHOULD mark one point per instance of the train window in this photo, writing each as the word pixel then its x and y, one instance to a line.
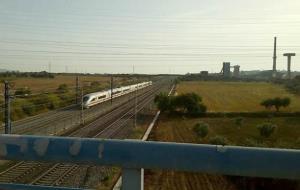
pixel 117 92
pixel 85 99
pixel 93 99
pixel 100 97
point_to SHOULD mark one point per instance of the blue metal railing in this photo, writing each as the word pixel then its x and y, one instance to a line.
pixel 134 155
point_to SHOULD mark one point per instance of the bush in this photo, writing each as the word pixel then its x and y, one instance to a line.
pixel 218 140
pixel 23 92
pixel 266 129
pixel 201 129
pixel 63 88
pixel 29 109
pixel 239 122
pixel 95 84
pixel 53 102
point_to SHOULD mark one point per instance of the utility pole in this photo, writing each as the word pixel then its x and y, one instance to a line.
pixel 275 57
pixel 81 114
pixel 49 67
pixel 66 69
pixel 77 90
pixel 111 89
pixel 135 106
pixel 7 108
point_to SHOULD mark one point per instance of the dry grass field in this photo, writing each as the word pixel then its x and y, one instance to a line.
pixel 237 96
pixel 287 135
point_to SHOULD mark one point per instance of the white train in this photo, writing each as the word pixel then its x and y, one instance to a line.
pixel 99 97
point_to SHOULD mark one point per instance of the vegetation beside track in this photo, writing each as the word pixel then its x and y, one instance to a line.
pixel 37 94
pixel 181 129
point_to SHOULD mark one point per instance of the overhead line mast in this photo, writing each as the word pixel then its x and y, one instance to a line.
pixel 275 57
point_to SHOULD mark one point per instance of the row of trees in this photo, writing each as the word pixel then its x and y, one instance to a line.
pixel 276 103
pixel 42 74
pixel 190 104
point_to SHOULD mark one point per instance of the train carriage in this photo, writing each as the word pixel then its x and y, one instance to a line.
pixel 92 99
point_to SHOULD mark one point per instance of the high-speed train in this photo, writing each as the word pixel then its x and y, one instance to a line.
pixel 99 97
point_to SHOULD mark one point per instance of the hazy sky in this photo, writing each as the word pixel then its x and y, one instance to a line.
pixel 156 36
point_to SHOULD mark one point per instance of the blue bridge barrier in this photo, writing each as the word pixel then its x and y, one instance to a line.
pixel 133 156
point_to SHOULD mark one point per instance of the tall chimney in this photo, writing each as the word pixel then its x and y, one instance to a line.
pixel 275 57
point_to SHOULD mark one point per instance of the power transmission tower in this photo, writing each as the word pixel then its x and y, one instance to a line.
pixel 7 108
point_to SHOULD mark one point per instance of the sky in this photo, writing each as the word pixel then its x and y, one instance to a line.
pixel 147 36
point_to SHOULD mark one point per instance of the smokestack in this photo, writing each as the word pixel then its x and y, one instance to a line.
pixel 275 57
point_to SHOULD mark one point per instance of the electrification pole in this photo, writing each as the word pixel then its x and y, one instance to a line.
pixel 111 89
pixel 77 90
pixel 275 57
pixel 81 114
pixel 135 107
pixel 7 108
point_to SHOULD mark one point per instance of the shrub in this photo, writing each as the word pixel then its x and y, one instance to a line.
pixel 239 122
pixel 29 109
pixel 23 92
pixel 250 142
pixel 53 101
pixel 218 140
pixel 63 88
pixel 95 84
pixel 201 129
pixel 266 129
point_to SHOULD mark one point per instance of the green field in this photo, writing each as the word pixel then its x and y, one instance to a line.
pixel 238 96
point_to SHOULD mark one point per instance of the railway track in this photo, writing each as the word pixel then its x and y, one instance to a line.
pixel 56 174
pixel 70 115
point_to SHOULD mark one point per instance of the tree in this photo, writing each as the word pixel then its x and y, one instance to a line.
pixel 266 129
pixel 276 102
pixel 268 103
pixel 163 102
pixel 201 129
pixel 189 103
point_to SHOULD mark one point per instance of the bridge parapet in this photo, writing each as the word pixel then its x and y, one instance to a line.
pixel 133 156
